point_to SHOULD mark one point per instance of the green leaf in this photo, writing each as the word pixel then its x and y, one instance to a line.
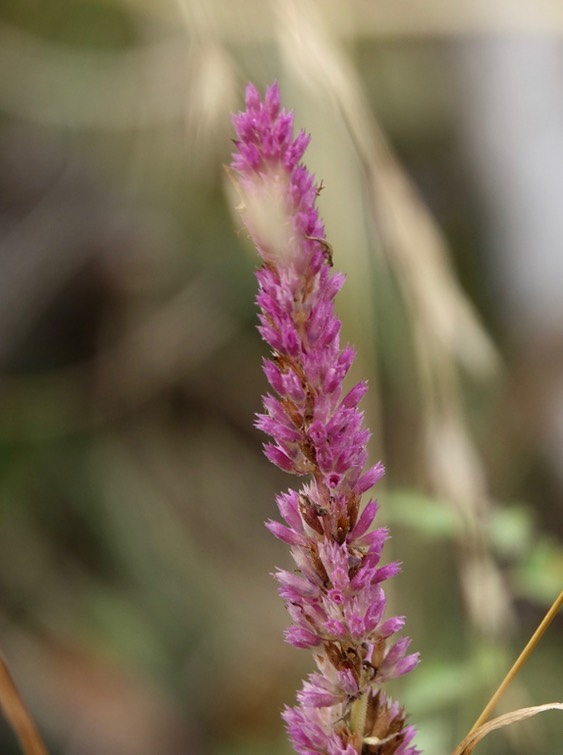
pixel 538 578
pixel 438 685
pixel 429 516
pixel 511 530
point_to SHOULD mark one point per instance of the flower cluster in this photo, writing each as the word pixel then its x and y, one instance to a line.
pixel 335 596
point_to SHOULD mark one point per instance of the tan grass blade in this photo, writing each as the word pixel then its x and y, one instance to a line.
pixel 17 715
pixel 418 249
pixel 446 329
pixel 520 661
pixel 474 737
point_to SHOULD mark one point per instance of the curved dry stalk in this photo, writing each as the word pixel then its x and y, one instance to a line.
pixel 476 735
pixel 386 19
pixel 17 714
pixel 520 661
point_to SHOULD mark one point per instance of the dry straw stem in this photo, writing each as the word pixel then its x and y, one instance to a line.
pixel 520 661
pixel 446 331
pixel 418 248
pixel 243 20
pixel 474 737
pixel 16 713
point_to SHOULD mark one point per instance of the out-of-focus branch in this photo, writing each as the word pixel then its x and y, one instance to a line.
pixel 161 350
pixel 445 327
pixel 18 715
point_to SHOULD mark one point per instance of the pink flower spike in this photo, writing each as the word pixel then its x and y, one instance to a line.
pixel 334 595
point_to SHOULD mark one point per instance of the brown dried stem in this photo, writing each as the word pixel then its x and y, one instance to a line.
pixel 17 715
pixel 520 661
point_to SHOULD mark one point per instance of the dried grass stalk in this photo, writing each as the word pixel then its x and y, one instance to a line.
pixel 17 714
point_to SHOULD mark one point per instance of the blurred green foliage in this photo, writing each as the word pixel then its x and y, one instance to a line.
pixel 137 612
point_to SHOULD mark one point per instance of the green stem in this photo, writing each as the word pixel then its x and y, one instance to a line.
pixel 358 714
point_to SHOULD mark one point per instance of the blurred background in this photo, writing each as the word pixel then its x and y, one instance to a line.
pixel 137 611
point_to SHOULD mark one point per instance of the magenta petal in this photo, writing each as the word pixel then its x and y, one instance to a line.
pixel 336 628
pixel 370 478
pixel 365 521
pixel 278 457
pixel 300 637
pixel 355 395
pixel 252 96
pixel 397 650
pixel 407 664
pixel 289 509
pixel 284 533
pixel 391 626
